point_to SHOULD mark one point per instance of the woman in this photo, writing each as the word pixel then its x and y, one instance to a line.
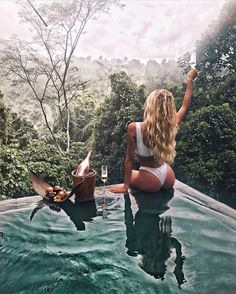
pixel 153 141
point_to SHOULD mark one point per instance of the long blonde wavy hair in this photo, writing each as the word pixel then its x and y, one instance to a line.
pixel 160 122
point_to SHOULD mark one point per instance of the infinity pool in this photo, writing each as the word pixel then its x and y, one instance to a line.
pixel 179 241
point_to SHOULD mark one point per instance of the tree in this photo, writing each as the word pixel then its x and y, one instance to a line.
pixel 83 109
pixel 216 48
pixel 14 131
pixel 15 136
pixel 206 147
pixel 184 62
pixel 123 105
pixel 162 75
pixel 21 150
pixel 3 121
pixel 45 65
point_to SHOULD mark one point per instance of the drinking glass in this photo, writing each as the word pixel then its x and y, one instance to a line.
pixel 104 175
pixel 193 59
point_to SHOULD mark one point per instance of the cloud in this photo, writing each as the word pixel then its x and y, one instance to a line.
pixel 142 29
pixel 141 33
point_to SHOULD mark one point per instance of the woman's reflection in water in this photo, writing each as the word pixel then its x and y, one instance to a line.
pixel 77 212
pixel 149 235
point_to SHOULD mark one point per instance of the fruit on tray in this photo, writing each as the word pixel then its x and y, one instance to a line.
pixel 56 193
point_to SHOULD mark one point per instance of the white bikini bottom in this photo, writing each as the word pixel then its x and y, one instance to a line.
pixel 160 172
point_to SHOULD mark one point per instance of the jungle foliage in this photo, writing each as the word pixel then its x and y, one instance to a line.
pixel 206 157
pixel 206 145
pixel 109 137
pixel 22 150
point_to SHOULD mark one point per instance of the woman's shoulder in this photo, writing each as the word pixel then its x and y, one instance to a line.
pixel 132 127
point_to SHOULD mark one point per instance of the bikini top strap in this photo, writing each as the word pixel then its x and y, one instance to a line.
pixel 138 133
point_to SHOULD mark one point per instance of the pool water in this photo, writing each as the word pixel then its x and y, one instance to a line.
pixel 178 241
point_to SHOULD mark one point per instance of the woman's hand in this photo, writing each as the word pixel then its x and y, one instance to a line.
pixel 121 188
pixel 192 74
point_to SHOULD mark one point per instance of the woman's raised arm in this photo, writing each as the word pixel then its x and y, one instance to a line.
pixel 187 97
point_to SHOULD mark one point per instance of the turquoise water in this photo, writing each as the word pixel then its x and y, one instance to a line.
pixel 180 242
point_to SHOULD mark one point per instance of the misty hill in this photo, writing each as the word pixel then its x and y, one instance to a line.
pixel 96 72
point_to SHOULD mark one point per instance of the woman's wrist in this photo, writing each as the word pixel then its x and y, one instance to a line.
pixel 189 80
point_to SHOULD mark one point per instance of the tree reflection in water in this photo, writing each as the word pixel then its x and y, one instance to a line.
pixel 150 235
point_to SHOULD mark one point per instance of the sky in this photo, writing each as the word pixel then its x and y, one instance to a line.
pixel 143 29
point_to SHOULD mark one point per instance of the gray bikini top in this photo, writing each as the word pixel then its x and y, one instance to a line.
pixel 141 149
